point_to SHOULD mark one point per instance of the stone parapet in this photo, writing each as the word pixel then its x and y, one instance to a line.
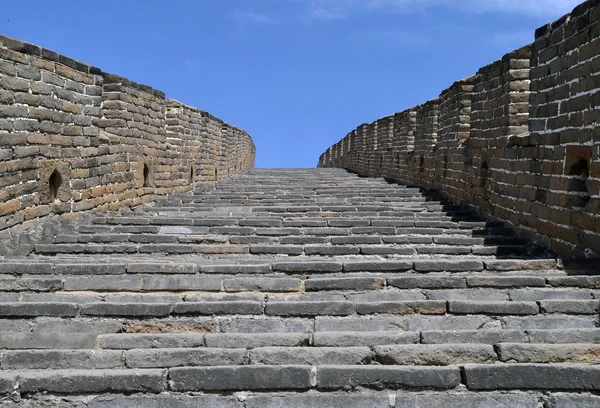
pixel 520 139
pixel 74 138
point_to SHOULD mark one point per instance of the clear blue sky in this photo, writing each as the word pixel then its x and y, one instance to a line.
pixel 296 74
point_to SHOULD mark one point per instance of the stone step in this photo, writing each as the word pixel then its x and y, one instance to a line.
pixel 475 377
pixel 91 334
pixel 359 399
pixel 292 307
pixel 396 354
pixel 556 285
pixel 303 265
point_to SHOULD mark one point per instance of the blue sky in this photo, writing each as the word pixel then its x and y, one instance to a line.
pixel 296 74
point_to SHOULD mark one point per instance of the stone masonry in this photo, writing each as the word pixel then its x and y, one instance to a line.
pixel 520 140
pixel 74 138
pixel 194 280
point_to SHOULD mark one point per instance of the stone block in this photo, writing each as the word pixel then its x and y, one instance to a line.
pixel 97 381
pixel 251 378
pixel 381 377
pixel 532 376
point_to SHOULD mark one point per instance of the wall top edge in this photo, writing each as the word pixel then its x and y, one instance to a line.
pixel 580 11
pixel 116 79
pixel 174 103
pixel 30 49
pixel 457 84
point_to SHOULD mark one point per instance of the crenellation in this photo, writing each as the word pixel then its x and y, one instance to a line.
pixel 519 139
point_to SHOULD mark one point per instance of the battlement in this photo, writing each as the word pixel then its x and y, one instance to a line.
pixel 520 139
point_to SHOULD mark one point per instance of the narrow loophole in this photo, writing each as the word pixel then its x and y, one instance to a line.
pixel 445 174
pixel 579 195
pixel 146 175
pixel 192 174
pixel 484 174
pixel 422 164
pixel 54 182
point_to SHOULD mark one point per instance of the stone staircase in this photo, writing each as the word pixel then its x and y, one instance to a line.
pixel 297 288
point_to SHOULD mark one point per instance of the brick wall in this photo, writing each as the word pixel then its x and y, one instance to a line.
pixel 73 138
pixel 519 140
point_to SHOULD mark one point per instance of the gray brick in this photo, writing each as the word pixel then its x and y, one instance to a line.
pixel 371 400
pixel 574 401
pixel 253 340
pixel 126 309
pixel 564 336
pixel 307 267
pixel 215 308
pixel 276 249
pixel 262 284
pixel 474 294
pixel 570 306
pixel 331 250
pixel 493 308
pixel 505 281
pixel 550 353
pixel 7 383
pixel 30 284
pixel 224 268
pixel 309 308
pixel 434 354
pixel 331 377
pixel 448 266
pixel 82 283
pixel 378 266
pixel 546 294
pixel 520 265
pixel 428 307
pixel 240 378
pixel 37 309
pixel 369 339
pixel 360 324
pixel 267 325
pixel 150 341
pixel 348 283
pixel 61 359
pixel 495 400
pixel 174 357
pixel 427 282
pixel 165 267
pixel 90 269
pixel 483 336
pixel 549 322
pixel 14 84
pixel 177 283
pixel 532 376
pixel 164 401
pixel 98 381
pixel 310 355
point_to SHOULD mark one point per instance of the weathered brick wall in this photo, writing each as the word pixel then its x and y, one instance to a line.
pixel 565 125
pixel 73 138
pixel 520 139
